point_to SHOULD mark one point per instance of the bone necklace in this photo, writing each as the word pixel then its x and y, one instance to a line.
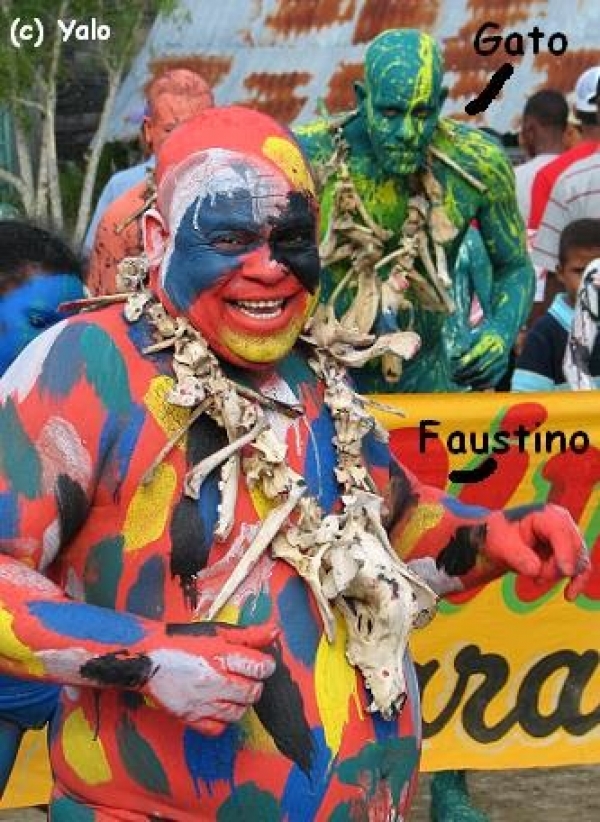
pixel 345 558
pixel 353 235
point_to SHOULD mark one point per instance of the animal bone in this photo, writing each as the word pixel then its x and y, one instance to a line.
pixel 194 478
pixel 265 536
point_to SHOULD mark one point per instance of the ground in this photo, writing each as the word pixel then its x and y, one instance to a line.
pixel 537 795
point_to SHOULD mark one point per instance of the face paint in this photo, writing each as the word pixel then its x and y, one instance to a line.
pixel 243 260
pixel 403 98
pixel 31 308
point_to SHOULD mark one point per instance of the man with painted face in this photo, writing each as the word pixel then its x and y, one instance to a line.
pixel 419 179
pixel 38 272
pixel 181 456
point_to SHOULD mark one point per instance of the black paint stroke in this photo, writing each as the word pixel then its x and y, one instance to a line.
pixel 491 91
pixel 189 548
pixel 281 712
pixel 73 507
pixel 118 669
pixel 460 554
pixel 478 474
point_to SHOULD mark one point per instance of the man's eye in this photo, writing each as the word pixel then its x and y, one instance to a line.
pixel 389 111
pixel 38 320
pixel 233 240
pixel 294 238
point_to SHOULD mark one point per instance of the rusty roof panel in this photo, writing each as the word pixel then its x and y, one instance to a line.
pixel 288 56
pixel 276 92
pixel 293 17
pixel 378 15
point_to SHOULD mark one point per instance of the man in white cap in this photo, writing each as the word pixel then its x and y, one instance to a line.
pixel 584 109
pixel 576 192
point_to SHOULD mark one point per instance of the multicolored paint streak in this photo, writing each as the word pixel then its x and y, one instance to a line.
pixel 396 121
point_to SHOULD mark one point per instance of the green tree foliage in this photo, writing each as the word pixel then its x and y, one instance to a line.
pixel 31 74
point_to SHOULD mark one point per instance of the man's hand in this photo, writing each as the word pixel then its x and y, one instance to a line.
pixel 212 673
pixel 541 542
pixel 483 365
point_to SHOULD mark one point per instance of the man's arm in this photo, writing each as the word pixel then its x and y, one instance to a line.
pixel 455 547
pixel 503 234
pixel 556 216
pixel 64 402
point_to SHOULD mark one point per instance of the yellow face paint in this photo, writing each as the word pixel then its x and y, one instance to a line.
pixel 289 159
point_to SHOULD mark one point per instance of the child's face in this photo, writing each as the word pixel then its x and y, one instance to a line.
pixel 570 272
pixel 32 307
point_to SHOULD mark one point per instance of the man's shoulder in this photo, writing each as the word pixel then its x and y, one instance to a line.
pixel 317 137
pixel 125 204
pixel 547 326
pixel 581 170
pixel 473 150
pixel 553 171
pixel 127 177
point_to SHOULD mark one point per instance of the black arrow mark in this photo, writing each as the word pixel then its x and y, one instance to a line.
pixel 491 91
pixel 482 472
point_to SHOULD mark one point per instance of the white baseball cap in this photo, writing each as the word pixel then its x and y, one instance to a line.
pixel 586 90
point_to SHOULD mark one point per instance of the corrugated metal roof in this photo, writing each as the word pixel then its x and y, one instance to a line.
pixel 285 56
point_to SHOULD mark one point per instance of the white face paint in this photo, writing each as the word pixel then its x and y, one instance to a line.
pixel 214 173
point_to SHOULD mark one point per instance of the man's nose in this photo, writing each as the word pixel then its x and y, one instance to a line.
pixel 260 265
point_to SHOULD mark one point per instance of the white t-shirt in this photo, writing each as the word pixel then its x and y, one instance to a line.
pixel 524 176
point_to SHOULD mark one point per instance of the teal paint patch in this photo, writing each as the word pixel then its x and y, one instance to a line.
pixel 140 761
pixel 65 809
pixel 393 761
pixel 105 369
pixel 102 572
pixel 256 610
pixel 20 461
pixel 249 802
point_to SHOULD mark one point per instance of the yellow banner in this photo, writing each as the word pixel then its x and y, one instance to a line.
pixel 510 674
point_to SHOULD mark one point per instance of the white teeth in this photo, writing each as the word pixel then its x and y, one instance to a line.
pixel 260 303
pixel 265 309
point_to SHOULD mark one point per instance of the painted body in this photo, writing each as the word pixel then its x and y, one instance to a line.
pixel 398 119
pixel 132 553
pixel 26 310
pixel 167 715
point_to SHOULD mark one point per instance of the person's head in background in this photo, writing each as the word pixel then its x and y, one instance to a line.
pixel 544 122
pixel 579 244
pixel 585 105
pixel 174 94
pixel 38 272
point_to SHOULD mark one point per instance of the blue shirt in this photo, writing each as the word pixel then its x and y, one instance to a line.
pixel 540 365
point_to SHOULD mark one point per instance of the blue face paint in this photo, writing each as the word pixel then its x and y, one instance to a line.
pixel 209 244
pixel 31 308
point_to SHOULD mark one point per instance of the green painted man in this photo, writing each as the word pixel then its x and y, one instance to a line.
pixel 400 187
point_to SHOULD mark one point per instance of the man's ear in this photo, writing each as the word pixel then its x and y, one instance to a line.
pixel 155 235
pixel 360 92
pixel 147 134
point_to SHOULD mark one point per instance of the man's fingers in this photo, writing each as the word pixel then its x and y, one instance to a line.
pixel 249 663
pixel 252 636
pixel 555 528
pixel 577 584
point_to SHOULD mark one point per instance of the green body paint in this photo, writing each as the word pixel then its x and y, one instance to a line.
pixel 391 135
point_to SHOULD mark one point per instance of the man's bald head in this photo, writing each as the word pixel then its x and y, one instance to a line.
pixel 174 96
